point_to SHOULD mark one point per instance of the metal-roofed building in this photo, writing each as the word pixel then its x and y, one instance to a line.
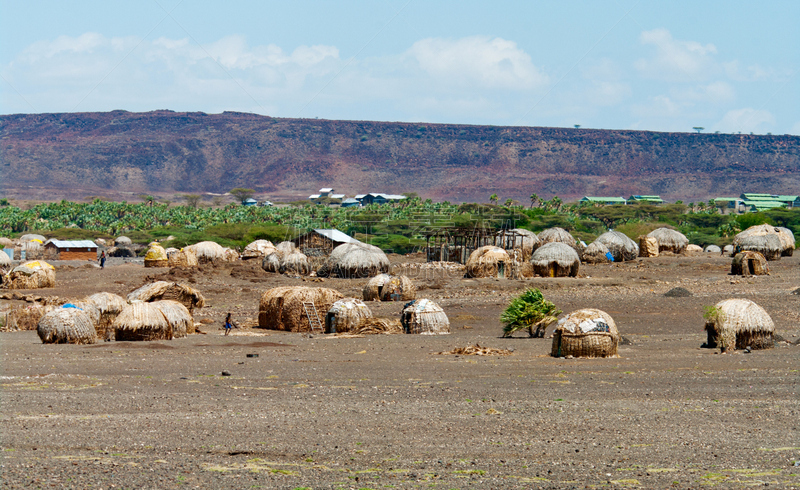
pixel 603 200
pixel 70 249
pixel 646 199
pixel 321 242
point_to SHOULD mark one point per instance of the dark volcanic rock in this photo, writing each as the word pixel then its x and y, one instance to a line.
pixel 678 293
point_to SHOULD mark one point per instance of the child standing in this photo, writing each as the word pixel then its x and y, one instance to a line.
pixel 228 324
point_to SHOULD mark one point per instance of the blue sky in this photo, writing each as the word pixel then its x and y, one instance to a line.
pixel 729 66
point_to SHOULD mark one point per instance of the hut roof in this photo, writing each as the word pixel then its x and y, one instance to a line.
pixel 32 236
pixel 768 245
pixel 738 322
pixel 286 247
pixel 66 326
pixel 351 260
pixel 5 261
pixel 295 262
pixel 669 239
pixel 177 315
pixel 6 242
pixel 258 248
pixel 346 315
pixel 424 317
pixel 156 252
pixel 208 251
pixel 620 246
pixel 712 249
pixel 595 253
pixel 123 240
pixel 151 321
pixel 107 302
pixel 561 253
pixel 784 235
pixel 483 261
pixel 586 333
pixel 168 290
pixel 556 234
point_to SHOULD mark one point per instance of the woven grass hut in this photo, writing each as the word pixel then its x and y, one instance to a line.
pixel 66 326
pixel 670 240
pixel 258 249
pixel 282 308
pixel 693 249
pixel 737 324
pixel 36 274
pixel 286 247
pixel 355 260
pixel 556 234
pixel 424 317
pixel 585 333
pixel 109 306
pixel 123 241
pixel 727 249
pixel 620 246
pixel 182 258
pixel 6 242
pixel 5 260
pixel 26 317
pixel 768 245
pixel 595 253
pixel 272 262
pixel 295 263
pixel 28 237
pixel 34 248
pixel 372 291
pixel 398 288
pixel 749 264
pixel 156 256
pixel 648 246
pixel 488 261
pixel 152 321
pixel 210 252
pixel 787 237
pixel 556 259
pixel 712 249
pixel 345 315
pixel 165 290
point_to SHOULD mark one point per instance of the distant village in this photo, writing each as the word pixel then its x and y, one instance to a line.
pixel 328 196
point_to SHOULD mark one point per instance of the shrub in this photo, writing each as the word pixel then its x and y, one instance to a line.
pixel 529 310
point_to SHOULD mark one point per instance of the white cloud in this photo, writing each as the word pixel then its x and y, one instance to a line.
pixel 477 60
pixel 675 60
pixel 795 129
pixel 746 120
pixel 716 93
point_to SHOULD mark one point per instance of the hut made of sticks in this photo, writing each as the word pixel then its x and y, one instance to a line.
pixel 669 240
pixel 620 246
pixel 556 259
pixel 210 252
pixel 374 287
pixel 787 238
pixel 749 264
pixel 68 325
pixel 737 324
pixel 352 261
pixel 488 261
pixel 159 320
pixel 109 306
pixel 26 317
pixel 519 239
pixel 345 315
pixel 595 253
pixel 182 258
pixel 165 290
pixel 770 241
pixel 398 288
pixel 36 274
pixel 293 262
pixel 585 333
pixel 156 256
pixel 258 249
pixel 424 317
pixel 648 246
pixel 712 249
pixel 283 308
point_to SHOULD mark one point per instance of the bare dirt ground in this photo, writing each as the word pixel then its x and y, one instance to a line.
pixel 386 411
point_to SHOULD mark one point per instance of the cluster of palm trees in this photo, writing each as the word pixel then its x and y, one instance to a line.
pixel 554 204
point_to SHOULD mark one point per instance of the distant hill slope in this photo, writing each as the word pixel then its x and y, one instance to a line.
pixel 68 155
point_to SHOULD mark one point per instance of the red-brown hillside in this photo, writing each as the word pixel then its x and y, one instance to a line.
pixel 70 155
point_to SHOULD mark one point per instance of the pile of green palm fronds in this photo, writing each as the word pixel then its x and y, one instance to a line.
pixel 529 310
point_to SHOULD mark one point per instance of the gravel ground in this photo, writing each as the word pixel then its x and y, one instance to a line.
pixel 386 411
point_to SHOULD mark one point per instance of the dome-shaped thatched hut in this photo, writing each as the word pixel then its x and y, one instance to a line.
pixel 31 275
pixel 692 249
pixel 5 260
pixel 787 238
pixel 68 325
pixel 354 260
pixel 283 308
pixel 272 262
pixel 727 250
pixel 712 249
pixel 6 242
pixel 295 263
pixel 620 246
pixel 123 241
pixel 595 253
pixel 767 244
pixel 585 333
pixel 385 287
pixel 670 240
pixel 209 252
pixel 165 290
pixel 372 291
pixel 556 234
pixel 749 264
pixel 556 259
pixel 184 257
pixel 488 261
pixel 159 320
pixel 424 317
pixel 648 246
pixel 29 237
pixel 737 324
pixel 286 247
pixel 156 256
pixel 345 315
pixel 109 306
pixel 258 249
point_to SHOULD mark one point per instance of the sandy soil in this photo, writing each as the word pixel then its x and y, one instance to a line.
pixel 386 411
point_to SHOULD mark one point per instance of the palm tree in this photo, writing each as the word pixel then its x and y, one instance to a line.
pixel 509 202
pixel 493 199
pixel 534 200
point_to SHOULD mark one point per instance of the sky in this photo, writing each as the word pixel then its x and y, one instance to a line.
pixel 729 66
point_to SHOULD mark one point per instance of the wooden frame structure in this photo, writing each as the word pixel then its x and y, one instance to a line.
pixel 456 244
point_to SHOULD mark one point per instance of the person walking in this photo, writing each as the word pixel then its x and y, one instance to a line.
pixel 103 259
pixel 228 324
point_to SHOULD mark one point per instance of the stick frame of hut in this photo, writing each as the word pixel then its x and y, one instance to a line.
pixel 456 244
pixel 321 242
pixel 70 249
pixel 749 263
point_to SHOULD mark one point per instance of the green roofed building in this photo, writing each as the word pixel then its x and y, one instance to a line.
pixel 604 200
pixel 759 205
pixel 646 199
pixel 788 201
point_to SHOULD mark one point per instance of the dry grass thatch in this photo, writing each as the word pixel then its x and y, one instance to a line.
pixel 184 257
pixel 272 262
pixel 556 259
pixel 749 264
pixel 31 275
pixel 424 317
pixel 109 305
pixel 372 326
pixel 727 249
pixel 476 350
pixel 620 246
pixel 282 308
pixel 345 315
pixel 66 326
pixel 670 240
pixel 372 291
pixel 692 249
pixel 737 324
pixel 27 317
pixel 488 261
pixel 286 247
pixel 712 249
pixel 295 263
pixel 398 288
pixel 163 290
pixel 595 253
pixel 123 241
pixel 648 246
pixel 90 309
pixel 156 256
pixel 5 260
pixel 258 249
pixel 210 252
pixel 787 238
pixel 355 260
pixel 152 321
pixel 556 234
pixel 585 333
pixel 6 242
pixel 769 241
